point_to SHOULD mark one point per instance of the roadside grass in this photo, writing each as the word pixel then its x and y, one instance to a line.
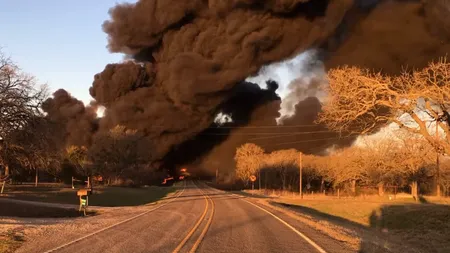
pixel 422 225
pixel 10 241
pixel 102 196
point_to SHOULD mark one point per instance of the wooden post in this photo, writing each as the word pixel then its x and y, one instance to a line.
pixel 217 174
pixel 259 180
pixel 36 179
pixel 3 186
pixel 301 173
pixel 72 183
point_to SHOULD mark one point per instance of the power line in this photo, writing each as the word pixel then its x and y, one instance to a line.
pixel 256 127
pixel 289 134
pixel 305 141
pixel 279 126
pixel 278 134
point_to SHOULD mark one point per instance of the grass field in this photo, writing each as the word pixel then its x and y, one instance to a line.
pixel 102 196
pixel 424 226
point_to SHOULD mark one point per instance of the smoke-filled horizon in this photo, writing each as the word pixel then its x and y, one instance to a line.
pixel 191 57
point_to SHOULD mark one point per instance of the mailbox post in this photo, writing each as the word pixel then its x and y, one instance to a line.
pixel 83 194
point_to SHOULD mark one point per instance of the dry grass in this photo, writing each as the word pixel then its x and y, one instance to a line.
pixel 421 226
pixel 10 241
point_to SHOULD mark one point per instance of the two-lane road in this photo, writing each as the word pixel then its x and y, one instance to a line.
pixel 184 224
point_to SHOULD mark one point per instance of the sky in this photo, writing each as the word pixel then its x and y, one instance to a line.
pixel 61 43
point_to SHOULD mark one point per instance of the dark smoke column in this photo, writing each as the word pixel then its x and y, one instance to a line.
pixel 192 55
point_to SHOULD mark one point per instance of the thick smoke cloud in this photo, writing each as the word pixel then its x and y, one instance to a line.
pixel 392 36
pixel 190 58
pixel 194 56
pixel 77 122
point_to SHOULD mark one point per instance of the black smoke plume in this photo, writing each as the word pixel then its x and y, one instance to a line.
pixel 191 57
pixel 391 35
pixel 76 122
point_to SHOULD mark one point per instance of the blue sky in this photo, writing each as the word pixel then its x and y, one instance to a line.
pixel 59 42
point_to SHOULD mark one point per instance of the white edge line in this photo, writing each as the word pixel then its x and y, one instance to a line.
pixel 320 249
pixel 113 225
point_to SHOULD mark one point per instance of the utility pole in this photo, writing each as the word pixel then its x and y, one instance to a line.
pixel 259 180
pixel 300 165
pixel 438 173
pixel 217 174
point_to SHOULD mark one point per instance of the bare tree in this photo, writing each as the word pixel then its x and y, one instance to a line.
pixel 41 147
pixel 360 101
pixel 20 101
pixel 78 157
pixel 413 157
pixel 284 161
pixel 119 151
pixel 381 166
pixel 249 159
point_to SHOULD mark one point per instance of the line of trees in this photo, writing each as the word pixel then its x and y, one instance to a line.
pixel 404 163
pixel 361 101
pixel 32 144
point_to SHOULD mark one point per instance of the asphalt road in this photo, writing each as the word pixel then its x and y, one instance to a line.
pixel 236 226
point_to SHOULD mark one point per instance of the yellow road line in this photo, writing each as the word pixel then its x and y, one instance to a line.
pixel 183 242
pixel 205 229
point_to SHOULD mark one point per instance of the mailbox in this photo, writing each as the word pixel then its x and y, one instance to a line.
pixel 84 201
pixel 84 192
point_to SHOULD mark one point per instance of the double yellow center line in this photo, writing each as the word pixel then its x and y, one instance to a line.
pixel 205 228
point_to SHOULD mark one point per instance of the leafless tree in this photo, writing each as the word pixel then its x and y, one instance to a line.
pixel 284 161
pixel 20 101
pixel 360 101
pixel 119 151
pixel 249 159
pixel 78 157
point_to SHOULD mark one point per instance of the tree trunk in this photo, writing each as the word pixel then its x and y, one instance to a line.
pixel 414 190
pixel 381 189
pixel 322 185
pixel 353 187
pixel 6 169
pixel 36 179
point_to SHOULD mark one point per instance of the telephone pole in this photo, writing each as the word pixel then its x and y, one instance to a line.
pixel 438 173
pixel 300 165
pixel 217 174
